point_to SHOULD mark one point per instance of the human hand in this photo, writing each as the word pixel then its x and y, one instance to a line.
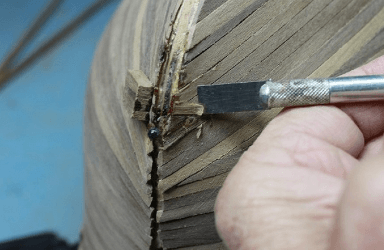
pixel 314 179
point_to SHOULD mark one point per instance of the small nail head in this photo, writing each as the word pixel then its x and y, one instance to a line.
pixel 153 133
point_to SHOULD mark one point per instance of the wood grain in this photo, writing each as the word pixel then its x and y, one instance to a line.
pixel 143 194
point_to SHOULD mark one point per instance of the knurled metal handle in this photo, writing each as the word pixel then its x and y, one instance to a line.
pixel 298 92
pixel 302 92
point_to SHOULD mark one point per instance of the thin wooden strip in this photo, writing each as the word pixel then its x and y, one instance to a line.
pixel 271 11
pixel 369 52
pixel 346 52
pixel 138 83
pixel 137 37
pixel 219 17
pixel 180 127
pixel 190 199
pixel 198 186
pixel 201 235
pixel 276 67
pixel 188 222
pixel 172 159
pixel 259 63
pixel 187 211
pixel 224 165
pixel 226 28
pixel 259 46
pixel 253 127
pixel 324 52
pixel 221 166
pixel 208 7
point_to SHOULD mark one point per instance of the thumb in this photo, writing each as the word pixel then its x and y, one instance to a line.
pixel 360 219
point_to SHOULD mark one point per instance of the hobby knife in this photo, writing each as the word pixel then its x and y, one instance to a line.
pixel 246 96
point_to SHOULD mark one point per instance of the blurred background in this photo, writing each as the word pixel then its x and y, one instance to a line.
pixel 41 113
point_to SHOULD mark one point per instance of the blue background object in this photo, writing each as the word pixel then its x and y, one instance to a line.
pixel 41 113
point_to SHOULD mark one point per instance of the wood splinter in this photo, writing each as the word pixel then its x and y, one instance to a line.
pixel 188 109
pixel 139 83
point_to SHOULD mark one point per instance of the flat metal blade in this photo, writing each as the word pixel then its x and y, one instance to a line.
pixel 231 97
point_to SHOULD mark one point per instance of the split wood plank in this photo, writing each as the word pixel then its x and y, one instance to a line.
pixel 138 83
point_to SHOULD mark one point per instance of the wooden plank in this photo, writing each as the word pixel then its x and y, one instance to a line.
pixel 223 165
pixel 186 109
pixel 352 46
pixel 195 187
pixel 197 208
pixel 370 52
pixel 208 7
pixel 259 21
pixel 313 61
pixel 253 127
pixel 279 61
pixel 188 222
pixel 219 22
pixel 140 85
pixel 189 199
pixel 198 228
pixel 174 158
pixel 261 61
pixel 204 235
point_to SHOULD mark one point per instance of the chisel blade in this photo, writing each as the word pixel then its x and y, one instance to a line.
pixel 233 97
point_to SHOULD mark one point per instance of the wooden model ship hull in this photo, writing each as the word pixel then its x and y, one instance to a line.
pixel 144 194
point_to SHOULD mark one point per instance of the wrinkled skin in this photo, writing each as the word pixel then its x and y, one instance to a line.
pixel 314 179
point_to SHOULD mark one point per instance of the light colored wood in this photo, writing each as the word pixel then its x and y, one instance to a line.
pixel 142 88
pixel 143 194
pixel 354 45
pixel 187 109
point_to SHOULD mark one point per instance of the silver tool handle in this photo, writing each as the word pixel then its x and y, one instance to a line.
pixel 303 92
